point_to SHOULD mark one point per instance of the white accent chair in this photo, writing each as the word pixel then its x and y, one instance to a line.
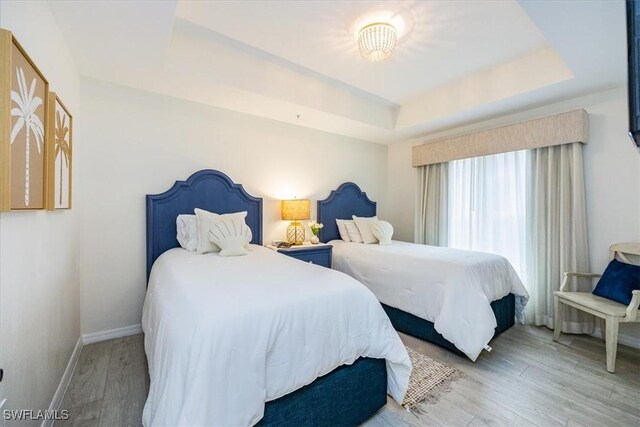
pixel 609 313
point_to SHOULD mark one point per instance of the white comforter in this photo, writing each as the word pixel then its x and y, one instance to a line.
pixel 225 335
pixel 451 288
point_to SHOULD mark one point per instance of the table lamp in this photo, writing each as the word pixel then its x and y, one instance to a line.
pixel 295 210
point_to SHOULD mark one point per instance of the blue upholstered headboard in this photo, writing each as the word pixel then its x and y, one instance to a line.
pixel 207 189
pixel 342 203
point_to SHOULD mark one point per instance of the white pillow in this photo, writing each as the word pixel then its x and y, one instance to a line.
pixel 232 235
pixel 383 232
pixel 342 229
pixel 187 232
pixel 364 226
pixel 206 221
pixel 353 232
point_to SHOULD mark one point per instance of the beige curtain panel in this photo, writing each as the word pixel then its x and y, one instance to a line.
pixel 431 225
pixel 548 131
pixel 557 222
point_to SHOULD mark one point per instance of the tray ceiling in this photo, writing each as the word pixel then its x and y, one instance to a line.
pixel 298 62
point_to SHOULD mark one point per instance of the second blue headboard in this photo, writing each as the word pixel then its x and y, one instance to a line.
pixel 347 200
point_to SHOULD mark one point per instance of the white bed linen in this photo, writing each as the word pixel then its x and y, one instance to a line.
pixel 450 287
pixel 225 335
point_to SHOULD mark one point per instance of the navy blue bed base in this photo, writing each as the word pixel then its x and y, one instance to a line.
pixel 504 309
pixel 347 396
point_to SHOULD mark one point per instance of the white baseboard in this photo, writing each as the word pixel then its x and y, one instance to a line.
pixel 627 340
pixel 64 381
pixel 110 334
pixel 73 361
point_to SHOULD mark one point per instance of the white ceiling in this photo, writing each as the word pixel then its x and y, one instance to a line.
pixel 448 40
pixel 298 62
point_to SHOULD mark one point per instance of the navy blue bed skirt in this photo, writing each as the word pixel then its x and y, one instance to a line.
pixel 504 309
pixel 346 396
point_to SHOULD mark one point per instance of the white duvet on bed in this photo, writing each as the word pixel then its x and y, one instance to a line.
pixel 225 335
pixel 450 287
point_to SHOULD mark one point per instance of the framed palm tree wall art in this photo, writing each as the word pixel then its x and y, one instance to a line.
pixel 24 95
pixel 59 144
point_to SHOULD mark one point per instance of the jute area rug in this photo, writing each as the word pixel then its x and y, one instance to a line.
pixel 429 379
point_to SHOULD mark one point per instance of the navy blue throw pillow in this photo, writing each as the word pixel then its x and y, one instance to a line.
pixel 617 282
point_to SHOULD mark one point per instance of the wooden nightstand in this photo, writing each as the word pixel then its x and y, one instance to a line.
pixel 319 254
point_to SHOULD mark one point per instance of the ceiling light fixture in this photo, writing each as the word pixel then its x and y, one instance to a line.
pixel 376 41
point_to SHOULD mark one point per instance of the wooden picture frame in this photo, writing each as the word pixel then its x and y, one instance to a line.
pixel 24 103
pixel 59 155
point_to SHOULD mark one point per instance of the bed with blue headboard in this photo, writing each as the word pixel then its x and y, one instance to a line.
pixel 348 200
pixel 348 395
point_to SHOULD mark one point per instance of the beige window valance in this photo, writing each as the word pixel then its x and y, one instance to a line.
pixel 559 129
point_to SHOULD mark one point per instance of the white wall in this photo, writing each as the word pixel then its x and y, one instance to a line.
pixel 39 296
pixel 140 143
pixel 611 168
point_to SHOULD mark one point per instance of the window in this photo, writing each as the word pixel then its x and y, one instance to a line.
pixel 486 206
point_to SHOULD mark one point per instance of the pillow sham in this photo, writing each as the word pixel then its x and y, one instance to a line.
pixel 383 231
pixel 206 221
pixel 352 230
pixel 342 229
pixel 617 282
pixel 364 227
pixel 187 232
pixel 232 235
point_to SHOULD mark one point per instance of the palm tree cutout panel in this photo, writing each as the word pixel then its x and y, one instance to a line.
pixel 62 155
pixel 25 108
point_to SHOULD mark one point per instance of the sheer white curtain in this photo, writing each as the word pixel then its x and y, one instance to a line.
pixel 486 206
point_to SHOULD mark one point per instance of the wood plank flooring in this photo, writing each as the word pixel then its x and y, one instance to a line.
pixel 109 386
pixel 527 380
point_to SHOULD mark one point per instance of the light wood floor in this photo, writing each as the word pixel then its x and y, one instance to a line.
pixel 526 380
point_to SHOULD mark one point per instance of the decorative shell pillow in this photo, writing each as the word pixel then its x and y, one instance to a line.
pixel 383 231
pixel 231 235
pixel 206 221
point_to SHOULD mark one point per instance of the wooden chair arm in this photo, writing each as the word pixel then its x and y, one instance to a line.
pixel 632 310
pixel 567 275
pixel 571 273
